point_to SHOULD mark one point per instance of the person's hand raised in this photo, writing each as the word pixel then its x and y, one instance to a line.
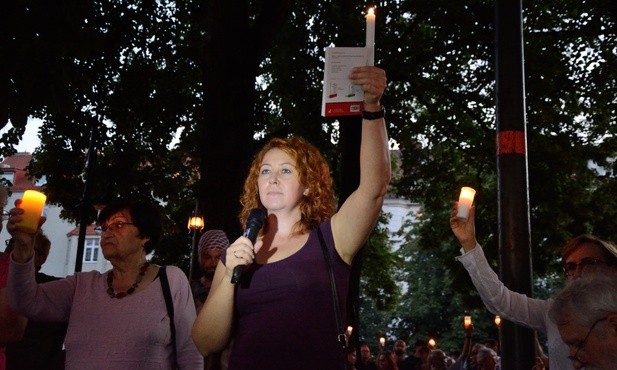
pixel 23 247
pixel 464 229
pixel 373 82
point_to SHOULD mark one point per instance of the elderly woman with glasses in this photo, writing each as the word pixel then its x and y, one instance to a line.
pixel 583 255
pixel 118 319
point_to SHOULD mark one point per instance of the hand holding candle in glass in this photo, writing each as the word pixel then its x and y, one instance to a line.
pixel 32 203
pixel 465 201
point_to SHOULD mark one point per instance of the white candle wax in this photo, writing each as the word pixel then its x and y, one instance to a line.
pixel 465 201
pixel 370 36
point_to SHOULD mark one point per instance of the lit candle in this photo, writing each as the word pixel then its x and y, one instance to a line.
pixel 382 341
pixel 467 322
pixel 32 203
pixel 465 201
pixel 349 329
pixel 497 320
pixel 370 36
pixel 432 343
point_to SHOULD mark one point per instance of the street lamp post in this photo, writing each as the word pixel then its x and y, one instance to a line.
pixel 196 222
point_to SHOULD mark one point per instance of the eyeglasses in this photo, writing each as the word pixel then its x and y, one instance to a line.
pixel 586 263
pixel 582 343
pixel 112 227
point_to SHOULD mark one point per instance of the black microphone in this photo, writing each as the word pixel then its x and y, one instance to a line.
pixel 253 224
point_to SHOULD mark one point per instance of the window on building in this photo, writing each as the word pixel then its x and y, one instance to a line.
pixel 8 176
pixel 91 250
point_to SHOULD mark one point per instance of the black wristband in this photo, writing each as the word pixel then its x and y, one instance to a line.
pixel 374 115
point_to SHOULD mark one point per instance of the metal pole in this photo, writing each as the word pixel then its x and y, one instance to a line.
pixel 86 207
pixel 517 343
pixel 193 260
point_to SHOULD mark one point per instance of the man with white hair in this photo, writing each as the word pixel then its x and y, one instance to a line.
pixel 585 312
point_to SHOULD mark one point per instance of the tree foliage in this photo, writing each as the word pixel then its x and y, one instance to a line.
pixel 179 94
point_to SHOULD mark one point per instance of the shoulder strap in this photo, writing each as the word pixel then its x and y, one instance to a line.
pixel 170 309
pixel 337 310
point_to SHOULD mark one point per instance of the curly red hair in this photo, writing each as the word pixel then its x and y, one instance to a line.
pixel 314 173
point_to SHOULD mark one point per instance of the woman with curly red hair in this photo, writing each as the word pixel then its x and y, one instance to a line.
pixel 280 314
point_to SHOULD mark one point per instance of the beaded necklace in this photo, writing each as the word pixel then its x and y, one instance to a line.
pixel 110 280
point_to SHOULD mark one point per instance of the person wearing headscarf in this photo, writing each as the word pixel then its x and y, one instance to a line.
pixel 211 245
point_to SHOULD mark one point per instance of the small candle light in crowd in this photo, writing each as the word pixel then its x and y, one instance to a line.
pixel 432 343
pixel 382 342
pixel 349 330
pixel 497 320
pixel 465 201
pixel 467 321
pixel 370 35
pixel 32 203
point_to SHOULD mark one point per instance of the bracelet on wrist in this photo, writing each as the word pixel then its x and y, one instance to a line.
pixel 374 115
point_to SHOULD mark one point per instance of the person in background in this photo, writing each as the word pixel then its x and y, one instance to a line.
pixel 494 345
pixel 366 360
pixel 403 361
pixel 472 361
pixel 459 360
pixel 454 355
pixel 585 313
pixel 386 361
pixel 281 310
pixel 42 344
pixel 585 254
pixel 437 360
pixel 352 358
pixel 211 245
pixel 422 353
pixel 414 358
pixel 486 359
pixel 118 319
pixel 12 326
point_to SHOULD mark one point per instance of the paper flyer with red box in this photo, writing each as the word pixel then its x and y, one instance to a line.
pixel 341 97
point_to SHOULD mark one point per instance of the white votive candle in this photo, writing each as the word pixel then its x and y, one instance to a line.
pixel 465 201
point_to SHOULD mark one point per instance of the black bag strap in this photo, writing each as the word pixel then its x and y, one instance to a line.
pixel 170 310
pixel 337 310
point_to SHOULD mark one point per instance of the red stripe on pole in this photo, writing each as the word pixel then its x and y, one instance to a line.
pixel 511 142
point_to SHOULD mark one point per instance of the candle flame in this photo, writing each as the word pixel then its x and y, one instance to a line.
pixel 371 11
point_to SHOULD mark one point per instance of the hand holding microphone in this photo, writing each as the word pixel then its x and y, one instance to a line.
pixel 253 224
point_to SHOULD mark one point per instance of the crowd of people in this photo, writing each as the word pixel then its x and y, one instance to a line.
pixel 422 356
pixel 293 278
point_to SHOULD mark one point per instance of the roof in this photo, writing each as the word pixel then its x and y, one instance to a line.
pixel 89 231
pixel 16 165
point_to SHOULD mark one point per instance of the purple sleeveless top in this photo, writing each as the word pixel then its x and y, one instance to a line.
pixel 284 317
